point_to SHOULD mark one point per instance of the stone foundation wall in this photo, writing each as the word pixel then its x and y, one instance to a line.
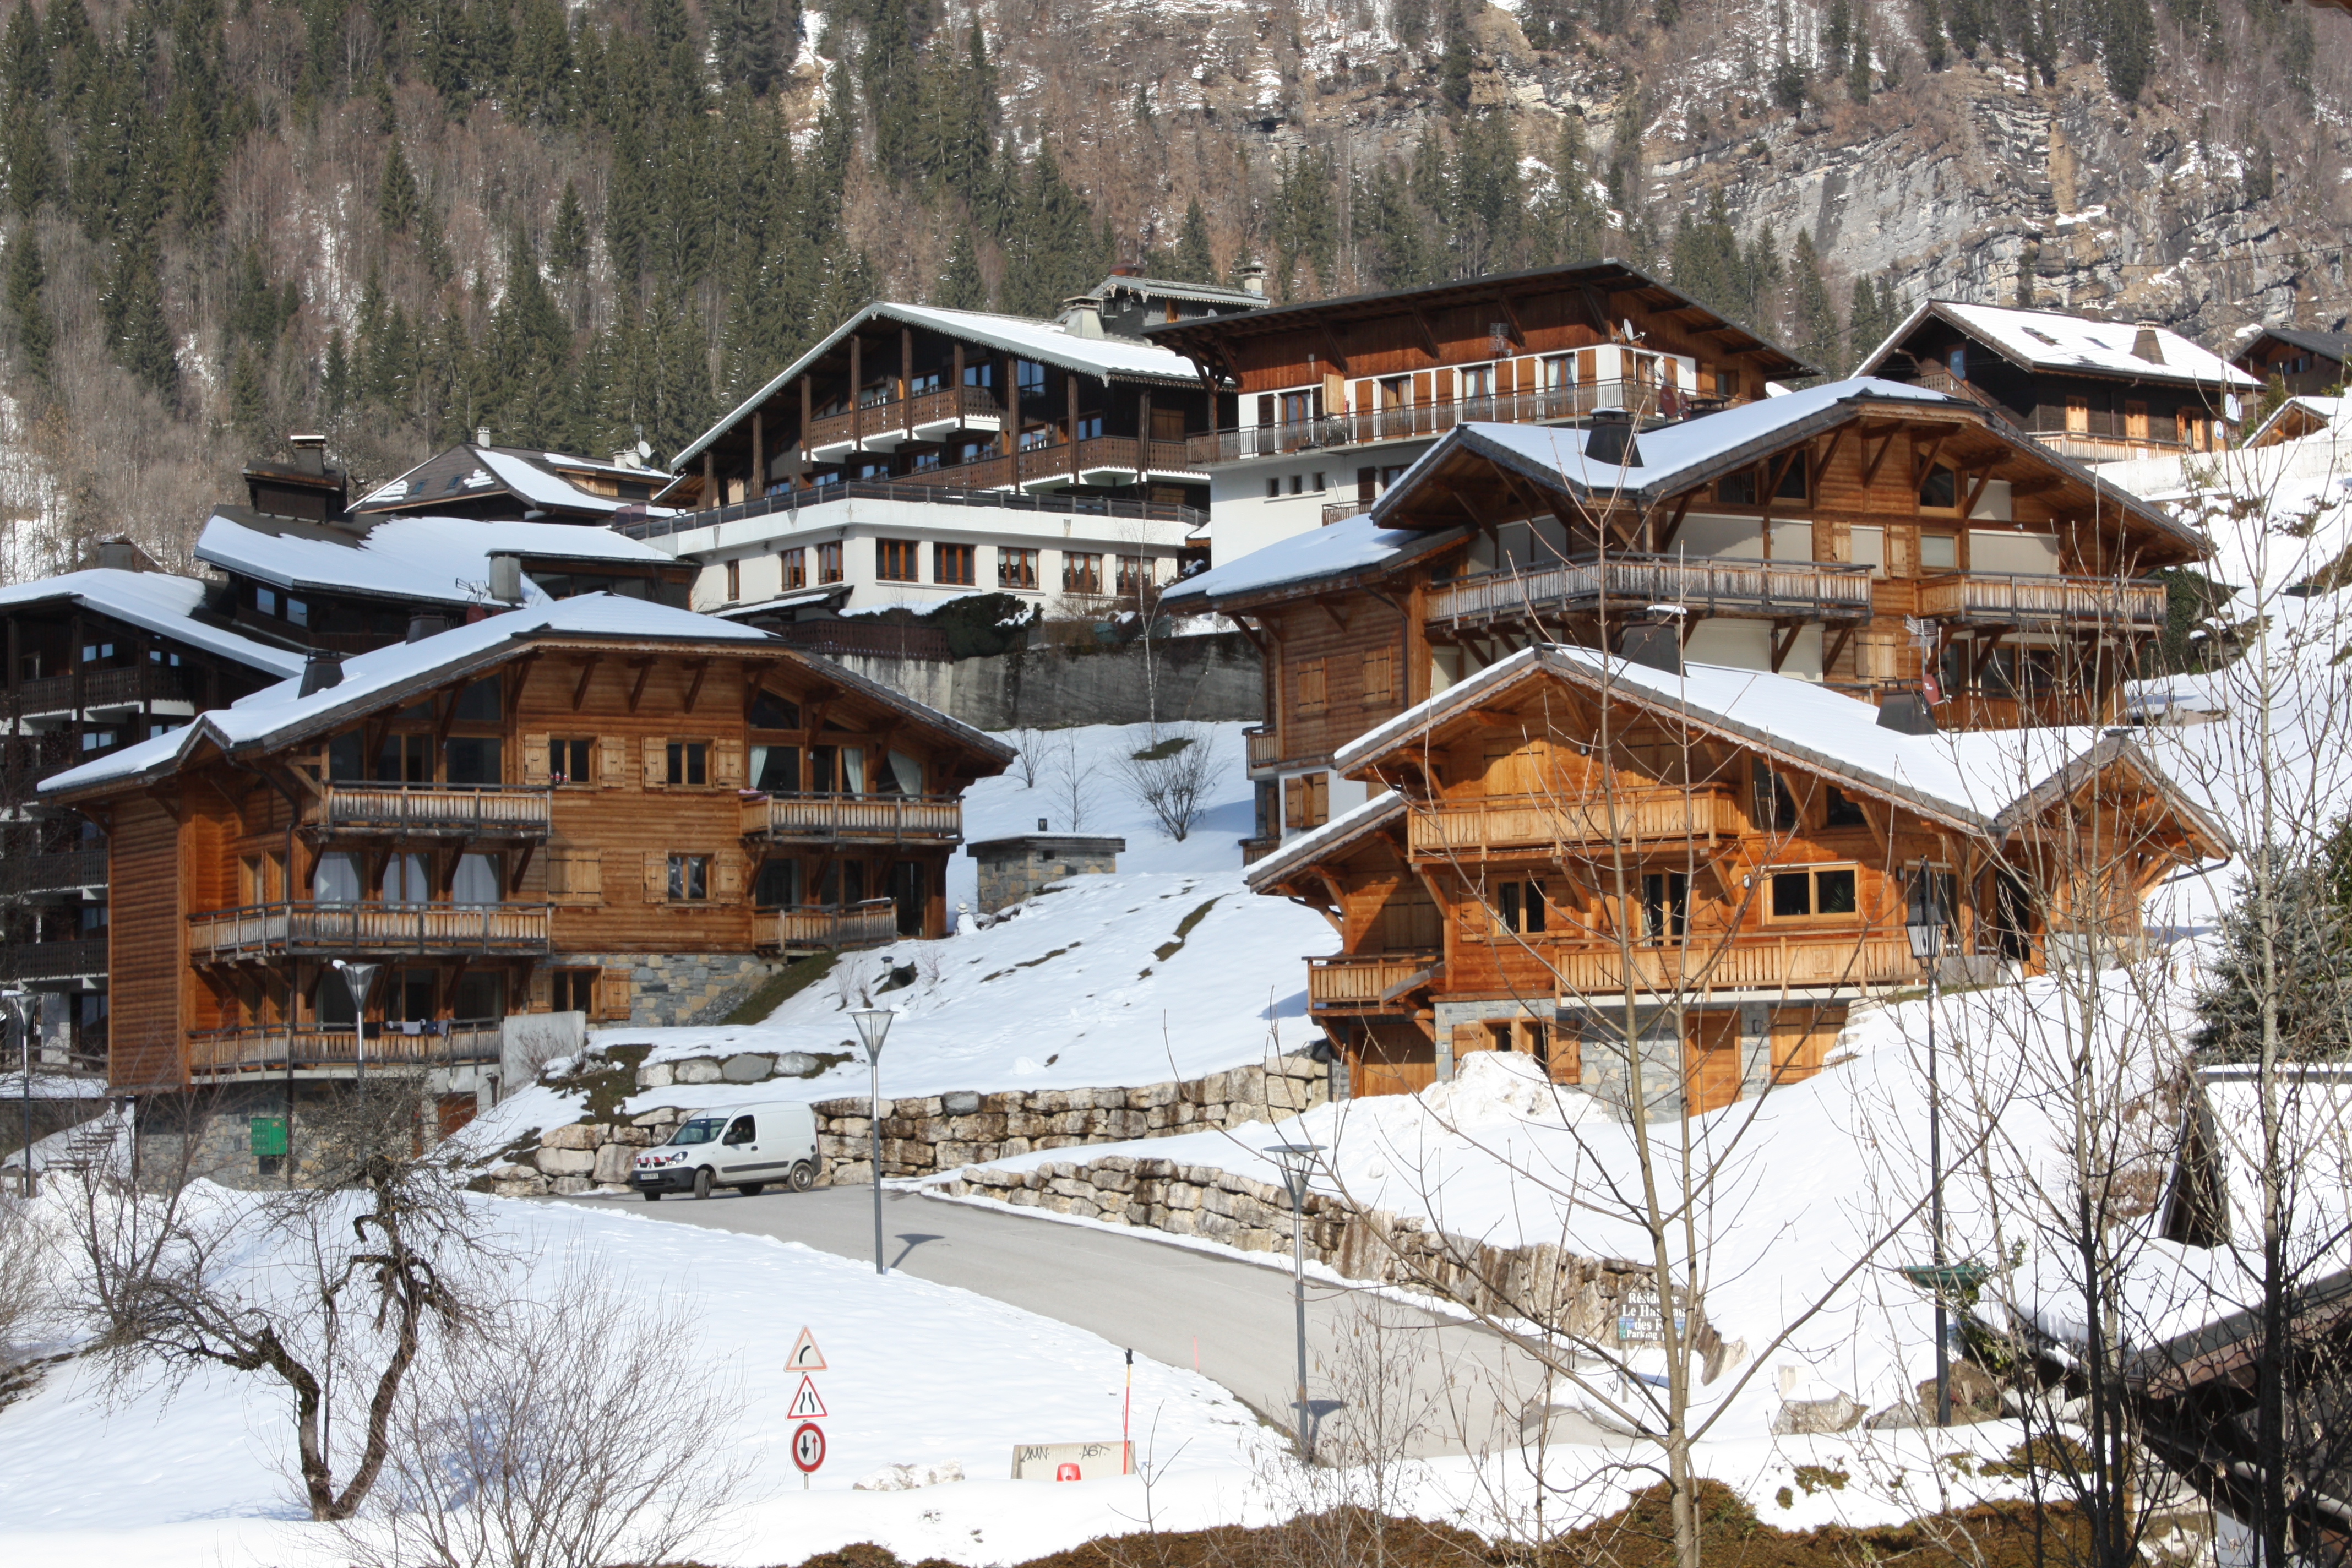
pixel 936 1132
pixel 669 990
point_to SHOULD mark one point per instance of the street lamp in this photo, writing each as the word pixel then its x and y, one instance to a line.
pixel 1925 927
pixel 12 1009
pixel 874 1028
pixel 359 979
pixel 1296 1161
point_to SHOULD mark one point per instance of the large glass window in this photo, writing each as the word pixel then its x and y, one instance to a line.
pixel 474 760
pixel 338 879
pixel 476 880
pixel 1812 892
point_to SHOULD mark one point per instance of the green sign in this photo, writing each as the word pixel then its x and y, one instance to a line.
pixel 268 1136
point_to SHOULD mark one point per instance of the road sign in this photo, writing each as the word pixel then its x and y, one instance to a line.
pixel 805 1356
pixel 806 1405
pixel 808 1446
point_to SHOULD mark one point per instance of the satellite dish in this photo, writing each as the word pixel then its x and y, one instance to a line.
pixel 645 452
pixel 1630 335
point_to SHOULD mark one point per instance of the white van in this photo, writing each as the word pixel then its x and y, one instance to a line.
pixel 746 1147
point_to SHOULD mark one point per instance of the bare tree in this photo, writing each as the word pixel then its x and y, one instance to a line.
pixel 527 1443
pixel 1072 780
pixel 331 1290
pixel 1172 776
pixel 1029 756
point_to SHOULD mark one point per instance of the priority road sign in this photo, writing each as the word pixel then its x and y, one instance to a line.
pixel 808 1446
pixel 805 1356
pixel 805 1406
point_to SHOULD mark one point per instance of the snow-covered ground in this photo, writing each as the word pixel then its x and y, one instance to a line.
pixel 1088 983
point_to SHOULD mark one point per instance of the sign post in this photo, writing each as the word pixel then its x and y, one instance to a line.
pixel 808 1450
pixel 807 1407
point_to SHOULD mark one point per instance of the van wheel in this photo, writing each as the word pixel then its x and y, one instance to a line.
pixel 653 1194
pixel 752 1189
pixel 702 1183
pixel 803 1176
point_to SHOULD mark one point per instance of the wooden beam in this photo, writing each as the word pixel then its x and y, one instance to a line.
pixel 1830 654
pixel 694 688
pixel 1428 334
pixel 1922 467
pixel 580 687
pixel 1674 527
pixel 1984 656
pixel 1976 493
pixel 1885 444
pixel 644 668
pixel 522 667
pixel 1511 317
pixel 1338 617
pixel 1331 342
pixel 1783 643
pixel 1772 488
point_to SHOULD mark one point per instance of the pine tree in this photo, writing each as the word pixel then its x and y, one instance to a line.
pixel 335 378
pixel 1193 261
pixel 1931 34
pixel 541 87
pixel 1580 227
pixel 76 63
pixel 36 333
pixel 1857 76
pixel 1455 65
pixel 248 398
pixel 32 171
pixel 397 201
pixel 891 76
pixel 132 310
pixel 1837 35
pixel 747 42
pixel 1306 219
pixel 1488 198
pixel 2127 45
pixel 961 287
pixel 432 245
pixel 567 246
pixel 1819 337
pixel 24 57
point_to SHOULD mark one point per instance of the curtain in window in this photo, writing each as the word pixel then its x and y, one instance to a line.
pixel 477 881
pixel 908 771
pixel 852 770
pixel 405 880
pixel 337 879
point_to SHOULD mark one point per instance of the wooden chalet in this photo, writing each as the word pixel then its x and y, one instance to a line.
pixel 2307 363
pixel 516 484
pixel 1881 539
pixel 596 804
pixel 2090 390
pixel 1570 838
pixel 1336 397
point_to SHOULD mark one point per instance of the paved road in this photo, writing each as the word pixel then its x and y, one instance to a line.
pixel 1234 1320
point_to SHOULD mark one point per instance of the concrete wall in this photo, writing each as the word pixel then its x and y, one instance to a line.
pixel 1204 678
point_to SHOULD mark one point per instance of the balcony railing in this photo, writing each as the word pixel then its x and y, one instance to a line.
pixel 1747 962
pixel 868 924
pixel 2086 448
pixel 1263 745
pixel 919 418
pixel 471 811
pixel 855 818
pixel 82 958
pixel 1364 982
pixel 1780 590
pixel 125 686
pixel 65 871
pixel 1118 458
pixel 1365 426
pixel 1256 849
pixel 1521 825
pixel 929 489
pixel 272 931
pixel 218 1051
pixel 2012 599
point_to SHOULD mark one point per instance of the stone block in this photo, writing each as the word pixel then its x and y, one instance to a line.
pixel 566 1162
pixel 1180 1195
pixel 797 1064
pixel 572 1186
pixel 701 1069
pixel 655 1075
pixel 748 1067
pixel 960 1102
pixel 1013 1147
pixel 1812 1417
pixel 577 1135
pixel 614 1163
pixel 661 1116
pixel 952 1153
pixel 535 1187
pixel 854 1105
pixel 635 1137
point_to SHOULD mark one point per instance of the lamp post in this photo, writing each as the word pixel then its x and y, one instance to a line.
pixel 1296 1161
pixel 1926 929
pixel 12 1009
pixel 874 1028
pixel 359 979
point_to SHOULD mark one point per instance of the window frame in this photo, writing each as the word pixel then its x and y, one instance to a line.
pixel 957 565
pixel 1016 567
pixel 829 563
pixel 581 746
pixel 1078 579
pixel 1813 915
pixel 680 755
pixel 687 872
pixel 890 554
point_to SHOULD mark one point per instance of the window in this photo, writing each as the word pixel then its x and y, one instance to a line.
pixel 1793 485
pixel 1380 677
pixel 953 563
pixel 1813 893
pixel 1737 490
pixel 690 878
pixel 1028 380
pixel 474 760
pixel 574 991
pixel 1478 381
pixel 336 879
pixel 2135 421
pixel 894 561
pixel 1274 486
pixel 1941 490
pixel 1666 906
pixel 1036 436
pixel 263 599
pixel 828 563
pixel 2078 416
pixel 791 568
pixel 1727 383
pixel 1940 886
pixel 689 763
pixel 1955 360
pixel 476 880
pixel 347 758
pixel 1089 426
pixel 1940 552
pixel 97 740
pixel 1315 483
pixel 407 880
pixel 298 612
pixel 480 997
pixel 776 769
pixel 404 759
pixel 1311 685
pixel 1305 801
pixel 571 760
pixel 1299 408
pixel 1134 574
pixel 480 703
pixel 1520 906
pixel 743 1130
pixel 770 711
pixel 925 462
pixel 1298 484
pixel 1844 811
pixel 1774 808
pixel 1016 568
pixel 1558 372
pixel 1081 572
pixel 734 582
pixel 980 374
pixel 778 885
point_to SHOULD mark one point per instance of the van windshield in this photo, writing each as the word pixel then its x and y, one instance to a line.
pixel 701 1130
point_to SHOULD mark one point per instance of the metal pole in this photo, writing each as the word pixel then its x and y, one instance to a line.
pixel 874 1139
pixel 24 1034
pixel 1936 1200
pixel 1299 1299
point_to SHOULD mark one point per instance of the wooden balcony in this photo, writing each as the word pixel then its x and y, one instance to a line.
pixel 1095 460
pixel 76 965
pixel 926 416
pixel 63 875
pixel 926 487
pixel 2019 599
pixel 1774 590
pixel 1256 849
pixel 2085 447
pixel 853 819
pixel 1368 427
pixel 1264 747
pixel 218 1053
pixel 457 811
pixel 278 930
pixel 809 927
pixel 1749 961
pixel 126 686
pixel 1366 983
pixel 1516 827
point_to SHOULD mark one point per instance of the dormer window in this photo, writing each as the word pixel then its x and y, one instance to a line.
pixel 1737 490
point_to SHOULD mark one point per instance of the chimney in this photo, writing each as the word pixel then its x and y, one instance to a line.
pixel 117 553
pixel 1082 316
pixel 481 434
pixel 1612 440
pixel 1252 279
pixel 1657 645
pixel 322 671
pixel 1906 713
pixel 506 579
pixel 422 626
pixel 309 451
pixel 2145 345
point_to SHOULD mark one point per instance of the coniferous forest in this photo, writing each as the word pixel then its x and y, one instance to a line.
pixel 402 221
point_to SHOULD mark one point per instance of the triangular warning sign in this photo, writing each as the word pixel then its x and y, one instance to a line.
pixel 806 1405
pixel 805 1356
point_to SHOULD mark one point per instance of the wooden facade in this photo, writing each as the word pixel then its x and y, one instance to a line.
pixel 2306 363
pixel 1569 842
pixel 534 825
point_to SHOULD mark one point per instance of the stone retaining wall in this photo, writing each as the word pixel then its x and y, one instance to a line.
pixel 932 1133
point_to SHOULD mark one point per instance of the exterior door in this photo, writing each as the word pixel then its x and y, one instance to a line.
pixel 1711 1061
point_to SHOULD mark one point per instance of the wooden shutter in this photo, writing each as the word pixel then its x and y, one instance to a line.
pixel 1335 394
pixel 1421 397
pixel 1378 686
pixel 613 766
pixel 1444 386
pixel 1294 802
pixel 613 995
pixel 1564 1058
pixel 542 990
pixel 1319 791
pixel 656 761
pixel 727 763
pixel 1310 683
pixel 727 874
pixel 575 876
pixel 1469 1037
pixel 1367 397
pixel 534 759
pixel 657 876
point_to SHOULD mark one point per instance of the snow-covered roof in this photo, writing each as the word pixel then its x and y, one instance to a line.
pixel 2336 346
pixel 534 475
pixel 277 714
pixel 2302 416
pixel 1175 289
pixel 1977 781
pixel 1047 343
pixel 1351 544
pixel 441 559
pixel 1315 843
pixel 2051 339
pixel 156 602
